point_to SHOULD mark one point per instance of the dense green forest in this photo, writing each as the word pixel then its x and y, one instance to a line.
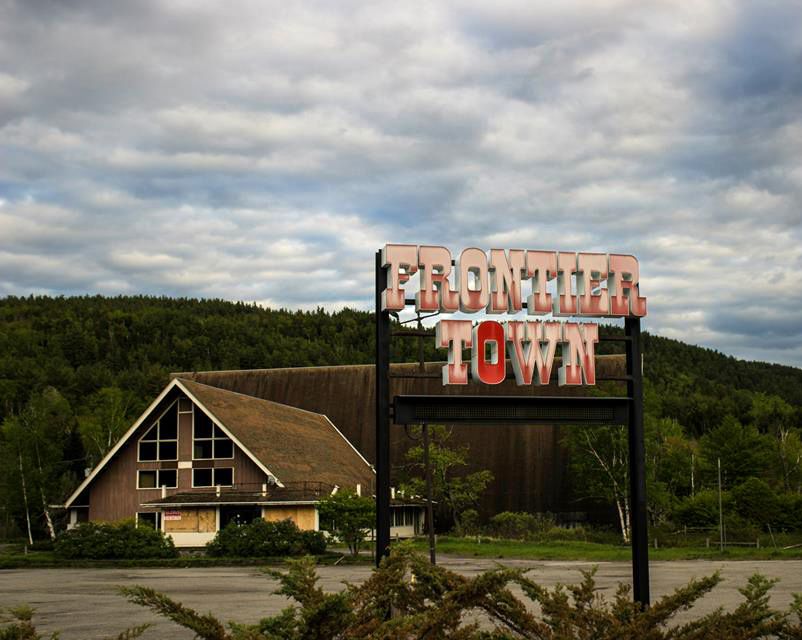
pixel 74 372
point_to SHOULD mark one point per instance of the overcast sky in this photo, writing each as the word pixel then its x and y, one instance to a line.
pixel 262 151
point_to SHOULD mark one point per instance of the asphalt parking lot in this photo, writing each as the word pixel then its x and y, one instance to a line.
pixel 83 603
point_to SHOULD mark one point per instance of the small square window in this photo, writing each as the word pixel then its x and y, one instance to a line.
pixel 147 451
pixel 224 477
pixel 203 450
pixel 167 478
pixel 201 477
pixel 223 449
pixel 168 451
pixel 147 479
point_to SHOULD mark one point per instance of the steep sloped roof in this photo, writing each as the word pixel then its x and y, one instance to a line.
pixel 296 445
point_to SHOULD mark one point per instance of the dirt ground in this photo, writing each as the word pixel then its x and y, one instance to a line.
pixel 83 603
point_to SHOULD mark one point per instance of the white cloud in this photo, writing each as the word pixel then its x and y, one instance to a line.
pixel 264 150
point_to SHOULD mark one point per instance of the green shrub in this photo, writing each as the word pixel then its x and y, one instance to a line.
pixel 107 541
pixel 470 522
pixel 700 510
pixel 789 516
pixel 407 598
pixel 261 539
pixel 756 502
pixel 41 545
pixel 520 525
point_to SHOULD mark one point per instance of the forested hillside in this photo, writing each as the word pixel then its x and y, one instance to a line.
pixel 74 372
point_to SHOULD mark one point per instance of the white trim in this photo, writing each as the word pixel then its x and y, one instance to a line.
pixel 252 503
pixel 236 441
pixel 158 440
pixel 214 478
pixel 121 442
pixel 370 466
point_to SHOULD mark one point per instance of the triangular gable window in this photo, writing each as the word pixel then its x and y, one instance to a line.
pixel 160 442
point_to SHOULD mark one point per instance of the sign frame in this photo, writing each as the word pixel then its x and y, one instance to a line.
pixel 503 409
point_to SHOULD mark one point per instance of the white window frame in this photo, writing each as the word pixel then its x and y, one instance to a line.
pixel 158 439
pixel 211 439
pixel 158 478
pixel 159 519
pixel 212 486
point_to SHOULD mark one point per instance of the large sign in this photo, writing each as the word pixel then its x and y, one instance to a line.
pixel 585 285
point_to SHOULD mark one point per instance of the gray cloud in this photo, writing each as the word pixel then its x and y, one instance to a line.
pixel 262 151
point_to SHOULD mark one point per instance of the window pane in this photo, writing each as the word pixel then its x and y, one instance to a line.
pixel 146 519
pixel 147 479
pixel 151 434
pixel 224 477
pixel 167 478
pixel 201 477
pixel 203 450
pixel 147 451
pixel 223 449
pixel 168 451
pixel 203 425
pixel 168 425
pixel 218 432
pixel 184 404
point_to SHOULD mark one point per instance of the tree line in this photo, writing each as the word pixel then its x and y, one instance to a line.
pixel 76 371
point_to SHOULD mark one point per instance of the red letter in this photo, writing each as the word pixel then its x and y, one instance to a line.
pixel 429 259
pixel 494 370
pixel 402 260
pixel 452 334
pixel 578 356
pixel 624 274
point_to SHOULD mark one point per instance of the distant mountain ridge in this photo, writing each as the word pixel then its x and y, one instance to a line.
pixel 81 344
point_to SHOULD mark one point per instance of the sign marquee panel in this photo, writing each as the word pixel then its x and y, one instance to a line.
pixel 594 285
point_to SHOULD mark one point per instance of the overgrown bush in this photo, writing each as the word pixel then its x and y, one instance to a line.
pixel 107 541
pixel 470 522
pixel 520 525
pixel 700 510
pixel 407 598
pixel 266 539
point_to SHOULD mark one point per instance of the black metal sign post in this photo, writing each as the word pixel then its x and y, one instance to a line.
pixel 450 409
pixel 382 417
pixel 637 464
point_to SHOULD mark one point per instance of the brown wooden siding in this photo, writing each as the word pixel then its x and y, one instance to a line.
pixel 113 494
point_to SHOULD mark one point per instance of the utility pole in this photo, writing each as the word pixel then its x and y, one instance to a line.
pixel 429 508
pixel 720 512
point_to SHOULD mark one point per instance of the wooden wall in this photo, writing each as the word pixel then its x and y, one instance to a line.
pixel 113 494
pixel 527 461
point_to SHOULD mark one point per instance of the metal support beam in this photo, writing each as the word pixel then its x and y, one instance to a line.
pixel 382 418
pixel 505 409
pixel 637 465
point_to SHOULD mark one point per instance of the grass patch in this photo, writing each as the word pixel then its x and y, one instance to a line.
pixel 17 559
pixel 593 551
